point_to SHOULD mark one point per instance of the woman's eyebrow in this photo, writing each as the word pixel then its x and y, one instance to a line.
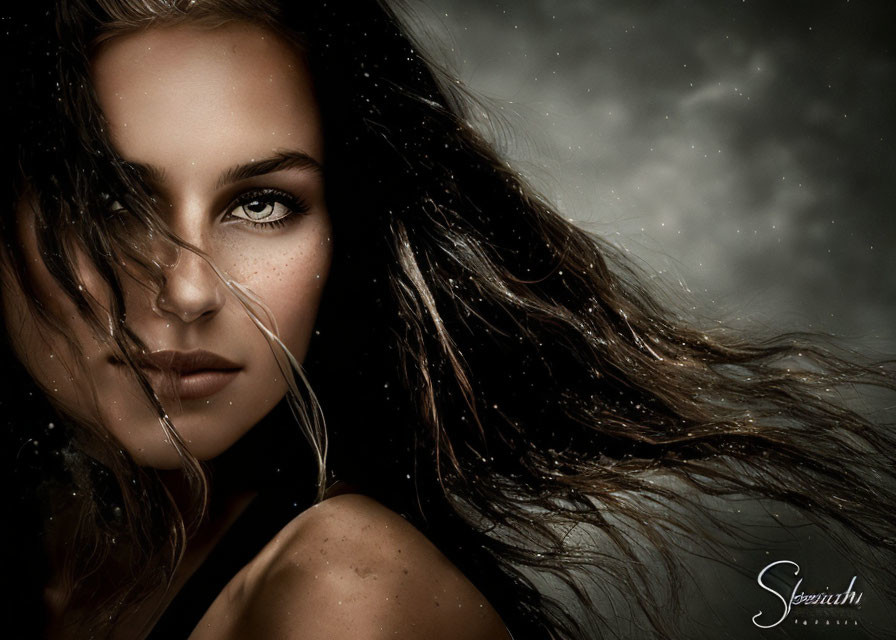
pixel 278 162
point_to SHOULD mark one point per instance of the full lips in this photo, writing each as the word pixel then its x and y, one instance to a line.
pixel 189 385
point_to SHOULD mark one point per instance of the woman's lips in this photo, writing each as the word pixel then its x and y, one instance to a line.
pixel 189 386
pixel 187 375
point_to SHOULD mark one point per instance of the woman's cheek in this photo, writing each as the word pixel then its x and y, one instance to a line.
pixel 296 297
pixel 288 272
pixel 46 353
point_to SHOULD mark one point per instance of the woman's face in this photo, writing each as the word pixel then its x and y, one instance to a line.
pixel 225 125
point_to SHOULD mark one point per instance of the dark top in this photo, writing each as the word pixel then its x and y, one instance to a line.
pixel 265 516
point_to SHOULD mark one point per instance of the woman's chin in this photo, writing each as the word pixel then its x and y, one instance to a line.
pixel 202 441
pixel 207 427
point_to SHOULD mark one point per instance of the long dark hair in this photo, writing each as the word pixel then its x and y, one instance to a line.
pixel 511 376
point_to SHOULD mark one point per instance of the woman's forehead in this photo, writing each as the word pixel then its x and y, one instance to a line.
pixel 192 98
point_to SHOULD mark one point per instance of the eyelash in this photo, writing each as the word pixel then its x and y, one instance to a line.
pixel 294 205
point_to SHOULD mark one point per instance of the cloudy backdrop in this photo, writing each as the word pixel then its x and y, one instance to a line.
pixel 742 148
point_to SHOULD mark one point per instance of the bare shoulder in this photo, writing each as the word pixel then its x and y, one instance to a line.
pixel 350 568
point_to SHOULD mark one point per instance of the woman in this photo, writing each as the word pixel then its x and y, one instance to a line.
pixel 487 370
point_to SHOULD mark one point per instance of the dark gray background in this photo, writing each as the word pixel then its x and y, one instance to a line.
pixel 743 149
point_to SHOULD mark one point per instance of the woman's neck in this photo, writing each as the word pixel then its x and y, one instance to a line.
pixel 227 501
pixel 199 547
pixel 271 456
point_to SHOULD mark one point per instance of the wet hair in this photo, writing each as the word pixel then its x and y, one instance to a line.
pixel 511 376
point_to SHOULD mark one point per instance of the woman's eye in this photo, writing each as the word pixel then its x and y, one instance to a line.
pixel 109 203
pixel 268 207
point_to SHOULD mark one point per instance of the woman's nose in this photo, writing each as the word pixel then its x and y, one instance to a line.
pixel 191 289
